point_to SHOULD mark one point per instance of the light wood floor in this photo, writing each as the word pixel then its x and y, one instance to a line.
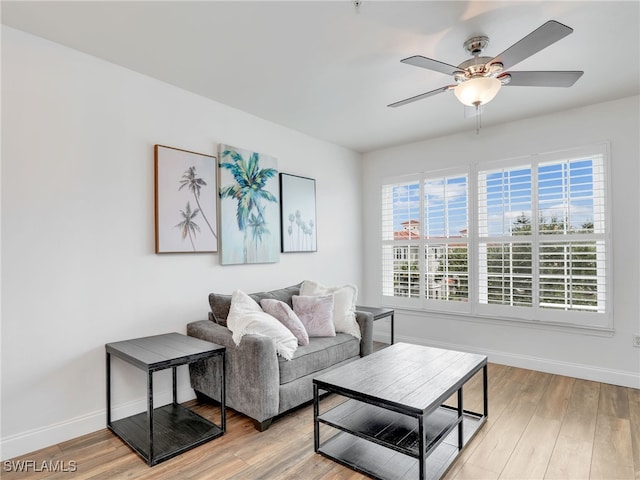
pixel 540 426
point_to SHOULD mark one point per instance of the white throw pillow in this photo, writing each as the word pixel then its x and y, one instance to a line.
pixel 344 305
pixel 246 317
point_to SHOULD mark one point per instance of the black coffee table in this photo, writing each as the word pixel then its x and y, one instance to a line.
pixel 164 432
pixel 394 424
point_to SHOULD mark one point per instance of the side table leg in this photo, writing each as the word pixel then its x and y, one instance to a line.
pixel 316 424
pixel 461 419
pixel 108 366
pixel 421 447
pixel 150 416
pixel 392 322
pixel 174 375
pixel 485 387
pixel 223 403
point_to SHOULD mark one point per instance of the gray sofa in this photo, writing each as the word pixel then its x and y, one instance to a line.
pixel 259 383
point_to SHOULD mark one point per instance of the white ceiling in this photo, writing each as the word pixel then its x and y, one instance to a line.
pixel 327 70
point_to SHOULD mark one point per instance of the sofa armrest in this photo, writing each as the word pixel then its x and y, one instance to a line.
pixel 252 371
pixel 365 322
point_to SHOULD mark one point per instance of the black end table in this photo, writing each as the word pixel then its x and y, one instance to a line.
pixel 379 313
pixel 164 432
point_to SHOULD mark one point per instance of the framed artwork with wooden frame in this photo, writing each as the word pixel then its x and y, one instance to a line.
pixel 298 213
pixel 186 201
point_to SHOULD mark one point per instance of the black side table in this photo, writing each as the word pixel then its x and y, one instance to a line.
pixel 164 432
pixel 379 313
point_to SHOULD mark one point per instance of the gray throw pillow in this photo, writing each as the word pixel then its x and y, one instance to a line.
pixel 220 305
pixel 287 317
pixel 282 294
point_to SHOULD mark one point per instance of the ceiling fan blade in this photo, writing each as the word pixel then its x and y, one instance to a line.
pixel 542 79
pixel 537 40
pixel 430 64
pixel 421 96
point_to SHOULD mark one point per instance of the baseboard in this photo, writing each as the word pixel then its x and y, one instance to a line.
pixel 32 440
pixel 585 372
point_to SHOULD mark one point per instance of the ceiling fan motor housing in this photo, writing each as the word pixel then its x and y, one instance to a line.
pixel 476 45
pixel 477 66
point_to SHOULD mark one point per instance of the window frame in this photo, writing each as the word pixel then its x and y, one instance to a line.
pixel 529 314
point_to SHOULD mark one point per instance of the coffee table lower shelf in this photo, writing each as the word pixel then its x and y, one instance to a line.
pixel 381 462
pixel 175 430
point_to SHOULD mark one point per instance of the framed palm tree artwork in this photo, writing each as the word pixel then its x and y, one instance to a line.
pixel 185 201
pixel 249 207
pixel 298 213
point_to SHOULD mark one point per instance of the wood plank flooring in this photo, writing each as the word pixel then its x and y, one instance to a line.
pixel 540 426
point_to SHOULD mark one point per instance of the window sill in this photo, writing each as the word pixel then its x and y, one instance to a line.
pixel 504 321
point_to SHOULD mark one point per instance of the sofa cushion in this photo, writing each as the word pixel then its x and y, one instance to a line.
pixel 221 303
pixel 321 353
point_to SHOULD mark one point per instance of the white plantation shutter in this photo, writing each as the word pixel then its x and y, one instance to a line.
pixel 542 246
pixel 446 221
pixel 401 202
pixel 503 195
pixel 425 249
pixel 572 252
pixel 504 226
pixel 570 277
pixel 539 252
pixel 506 274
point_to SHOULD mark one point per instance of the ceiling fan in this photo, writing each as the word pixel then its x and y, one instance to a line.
pixel 479 79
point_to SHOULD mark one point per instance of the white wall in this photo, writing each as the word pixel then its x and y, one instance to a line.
pixel 78 268
pixel 609 359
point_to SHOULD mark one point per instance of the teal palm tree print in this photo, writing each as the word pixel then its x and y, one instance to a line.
pixel 250 194
pixel 194 183
pixel 188 226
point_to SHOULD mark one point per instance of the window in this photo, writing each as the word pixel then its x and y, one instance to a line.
pixel 425 243
pixel 533 232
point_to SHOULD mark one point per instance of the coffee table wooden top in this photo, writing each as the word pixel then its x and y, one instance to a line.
pixel 410 378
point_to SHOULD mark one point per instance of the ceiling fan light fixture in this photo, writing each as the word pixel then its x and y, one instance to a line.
pixel 477 90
